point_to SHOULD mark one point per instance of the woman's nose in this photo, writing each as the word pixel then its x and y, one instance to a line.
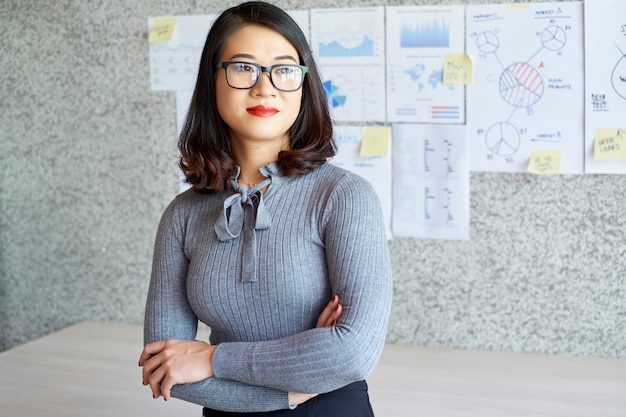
pixel 264 86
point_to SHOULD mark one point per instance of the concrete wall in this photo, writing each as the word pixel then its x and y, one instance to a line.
pixel 88 163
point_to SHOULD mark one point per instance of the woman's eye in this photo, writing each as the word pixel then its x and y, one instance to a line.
pixel 241 67
pixel 248 68
pixel 284 70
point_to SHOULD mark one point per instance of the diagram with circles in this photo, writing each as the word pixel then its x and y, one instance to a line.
pixel 528 71
pixel 605 83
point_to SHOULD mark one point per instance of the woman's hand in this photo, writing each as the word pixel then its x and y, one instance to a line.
pixel 297 398
pixel 330 314
pixel 170 362
pixel 328 318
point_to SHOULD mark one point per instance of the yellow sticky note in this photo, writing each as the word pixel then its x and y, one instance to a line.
pixel 162 29
pixel 457 69
pixel 375 141
pixel 544 162
pixel 516 6
pixel 609 144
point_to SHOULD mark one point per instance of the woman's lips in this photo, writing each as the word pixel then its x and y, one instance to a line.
pixel 262 111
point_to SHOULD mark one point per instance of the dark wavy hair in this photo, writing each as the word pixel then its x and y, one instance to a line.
pixel 206 156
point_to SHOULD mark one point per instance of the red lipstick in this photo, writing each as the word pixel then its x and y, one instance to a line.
pixel 262 111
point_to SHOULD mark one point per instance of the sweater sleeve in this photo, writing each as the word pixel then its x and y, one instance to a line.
pixel 359 270
pixel 169 316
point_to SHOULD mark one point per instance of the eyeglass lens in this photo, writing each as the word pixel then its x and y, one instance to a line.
pixel 246 75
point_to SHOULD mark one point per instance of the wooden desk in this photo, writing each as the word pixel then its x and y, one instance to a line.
pixel 90 369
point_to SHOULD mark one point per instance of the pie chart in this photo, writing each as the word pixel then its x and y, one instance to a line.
pixel 553 38
pixel 487 42
pixel 520 85
pixel 502 139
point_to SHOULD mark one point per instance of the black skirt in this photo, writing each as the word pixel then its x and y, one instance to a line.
pixel 349 401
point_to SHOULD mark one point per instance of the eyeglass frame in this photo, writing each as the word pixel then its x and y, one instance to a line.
pixel 262 69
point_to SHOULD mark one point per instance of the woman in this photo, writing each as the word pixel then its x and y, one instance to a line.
pixel 268 234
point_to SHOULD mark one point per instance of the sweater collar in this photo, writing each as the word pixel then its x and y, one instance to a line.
pixel 244 212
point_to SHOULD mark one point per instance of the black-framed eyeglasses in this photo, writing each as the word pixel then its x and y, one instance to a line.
pixel 245 75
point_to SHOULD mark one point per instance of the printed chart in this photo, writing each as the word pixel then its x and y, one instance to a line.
pixel 174 64
pixel 528 85
pixel 417 39
pixel 430 181
pixel 350 47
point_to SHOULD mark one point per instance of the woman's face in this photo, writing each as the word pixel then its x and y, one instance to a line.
pixel 261 113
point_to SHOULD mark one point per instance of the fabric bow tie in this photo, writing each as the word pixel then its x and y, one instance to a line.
pixel 245 212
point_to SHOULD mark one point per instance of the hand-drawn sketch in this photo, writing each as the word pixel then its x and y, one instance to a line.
pixel 528 75
pixel 605 80
pixel 618 75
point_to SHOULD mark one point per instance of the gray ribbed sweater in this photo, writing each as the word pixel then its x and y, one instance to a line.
pixel 317 234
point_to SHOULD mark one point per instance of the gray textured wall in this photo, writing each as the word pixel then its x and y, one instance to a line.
pixel 87 164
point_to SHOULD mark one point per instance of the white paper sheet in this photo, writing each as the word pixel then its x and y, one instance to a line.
pixel 302 19
pixel 375 169
pixel 417 39
pixel 349 44
pixel 528 90
pixel 174 64
pixel 430 181
pixel 605 77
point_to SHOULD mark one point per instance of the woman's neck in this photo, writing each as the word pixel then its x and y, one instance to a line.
pixel 251 156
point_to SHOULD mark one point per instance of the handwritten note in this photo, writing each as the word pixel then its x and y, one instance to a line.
pixel 457 69
pixel 610 144
pixel 162 29
pixel 375 141
pixel 544 162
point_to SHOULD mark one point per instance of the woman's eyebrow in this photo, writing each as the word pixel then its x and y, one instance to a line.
pixel 252 57
pixel 286 57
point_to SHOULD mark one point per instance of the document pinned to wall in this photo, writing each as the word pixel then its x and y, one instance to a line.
pixel 528 89
pixel 174 62
pixel 176 48
pixel 376 167
pixel 605 79
pixel 301 17
pixel 418 40
pixel 350 48
pixel 431 187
